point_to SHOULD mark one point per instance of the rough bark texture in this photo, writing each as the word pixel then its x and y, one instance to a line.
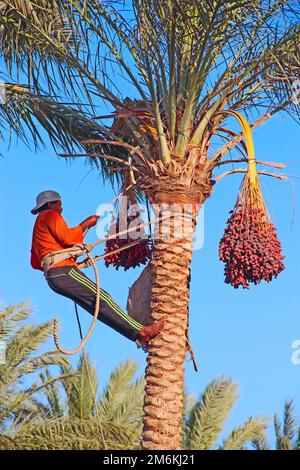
pixel 181 184
pixel 163 404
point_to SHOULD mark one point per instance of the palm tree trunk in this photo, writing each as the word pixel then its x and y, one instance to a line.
pixel 163 403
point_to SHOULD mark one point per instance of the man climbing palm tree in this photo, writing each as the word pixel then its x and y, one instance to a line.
pixel 51 234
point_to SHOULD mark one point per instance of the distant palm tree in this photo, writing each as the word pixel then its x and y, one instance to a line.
pixel 20 361
pixel 204 422
pixel 79 419
pixel 287 433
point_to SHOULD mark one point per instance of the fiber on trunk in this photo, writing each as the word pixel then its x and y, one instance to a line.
pixel 165 369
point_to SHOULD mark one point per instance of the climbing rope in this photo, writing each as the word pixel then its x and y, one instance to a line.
pixel 89 380
pixel 90 260
pixel 97 304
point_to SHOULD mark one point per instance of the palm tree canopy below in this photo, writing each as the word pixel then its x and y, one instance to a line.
pixel 68 412
pixel 76 416
pixel 21 361
pixel 42 410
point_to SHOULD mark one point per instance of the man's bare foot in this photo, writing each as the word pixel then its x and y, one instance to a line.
pixel 148 332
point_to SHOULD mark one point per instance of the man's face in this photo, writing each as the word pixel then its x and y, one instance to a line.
pixel 56 206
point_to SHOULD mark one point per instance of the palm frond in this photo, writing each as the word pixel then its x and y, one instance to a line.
pixel 297 443
pixel 11 317
pixel 26 341
pixel 27 112
pixel 75 434
pixel 20 20
pixel 53 408
pixel 190 56
pixel 111 402
pixel 20 406
pixel 253 428
pixel 208 416
pixel 278 432
pixel 22 342
pixel 40 42
pixel 82 389
pixel 289 423
pixel 286 433
pixel 260 443
pixel 67 127
pixel 189 402
pixel 129 412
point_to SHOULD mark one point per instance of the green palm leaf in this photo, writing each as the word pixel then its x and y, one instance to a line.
pixel 27 112
pixel 286 433
pixel 75 434
pixel 289 422
pixel 22 342
pixel 11 317
pixel 260 443
pixel 278 432
pixel 82 390
pixel 190 57
pixel 115 395
pixel 252 429
pixel 208 416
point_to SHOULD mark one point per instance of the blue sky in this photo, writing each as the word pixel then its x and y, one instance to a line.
pixel 246 335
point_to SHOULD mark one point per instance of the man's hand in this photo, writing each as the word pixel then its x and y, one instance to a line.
pixel 89 222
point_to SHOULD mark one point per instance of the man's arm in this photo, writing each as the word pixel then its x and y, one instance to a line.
pixel 68 236
pixel 89 222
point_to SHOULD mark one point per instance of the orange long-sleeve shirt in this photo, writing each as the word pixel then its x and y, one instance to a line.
pixel 51 233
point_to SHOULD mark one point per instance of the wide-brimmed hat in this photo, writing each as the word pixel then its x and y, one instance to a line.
pixel 43 198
